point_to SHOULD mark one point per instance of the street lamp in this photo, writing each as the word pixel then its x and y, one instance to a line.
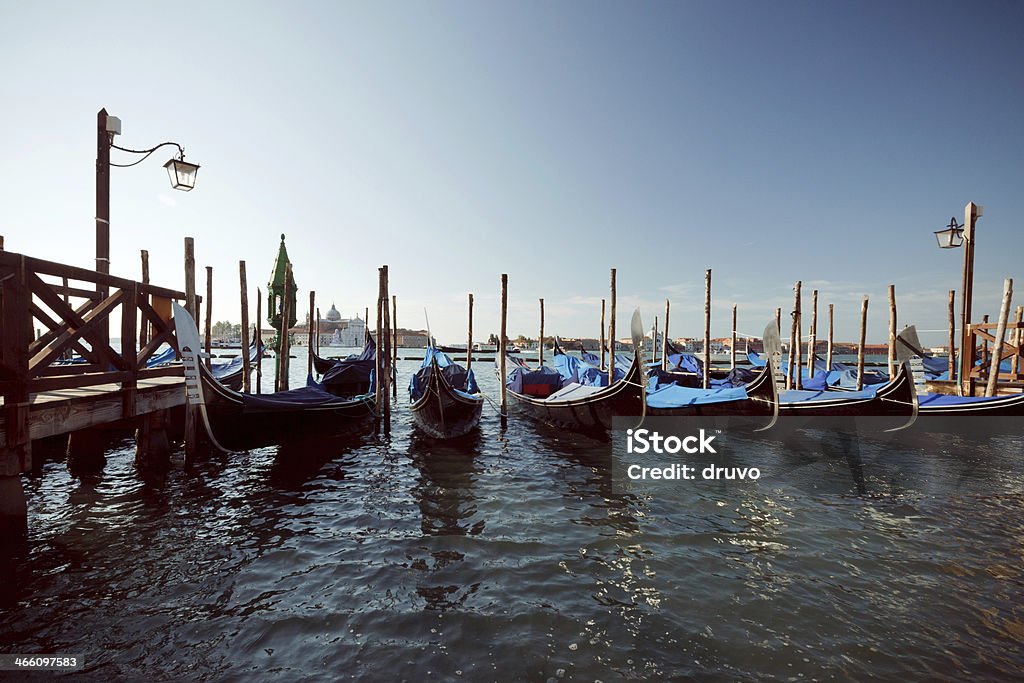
pixel 956 235
pixel 952 237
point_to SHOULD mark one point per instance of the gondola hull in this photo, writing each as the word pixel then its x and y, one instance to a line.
pixel 895 399
pixel 237 425
pixel 442 413
pixel 592 413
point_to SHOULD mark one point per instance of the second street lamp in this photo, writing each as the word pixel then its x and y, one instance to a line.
pixel 956 235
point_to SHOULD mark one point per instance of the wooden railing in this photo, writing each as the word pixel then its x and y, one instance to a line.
pixel 982 347
pixel 55 321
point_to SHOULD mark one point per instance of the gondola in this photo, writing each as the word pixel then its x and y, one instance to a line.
pixel 893 399
pixel 445 400
pixel 235 421
pixel 350 376
pixel 757 398
pixel 560 401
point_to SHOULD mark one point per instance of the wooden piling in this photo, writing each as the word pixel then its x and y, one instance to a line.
pixel 190 278
pixel 611 333
pixel 860 343
pixel 828 349
pixel 144 327
pixel 1016 336
pixel 732 350
pixel 540 343
pixel 259 341
pixel 997 347
pixel 387 353
pixel 152 445
pixel 799 338
pixel 892 332
pixel 654 341
pixel 502 375
pixel 778 319
pixel 393 320
pixel 379 364
pixel 208 304
pixel 984 345
pixel 952 335
pixel 706 379
pixel 309 334
pixel 191 414
pixel 243 293
pixel 317 330
pixel 602 342
pixel 794 341
pixel 812 339
pixel 664 342
pixel 469 335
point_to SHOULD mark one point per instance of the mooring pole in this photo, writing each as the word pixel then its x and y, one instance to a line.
pixel 310 333
pixel 191 416
pixel 379 375
pixel 284 342
pixel 799 318
pixel 794 340
pixel 812 342
pixel 208 305
pixel 394 345
pixel 1015 367
pixel 997 347
pixel 469 337
pixel 611 334
pixel 540 343
pixel 732 349
pixel 387 353
pixel 664 341
pixel 601 352
pixel 860 343
pixel 243 292
pixel 259 341
pixel 952 335
pixel 828 351
pixel 892 332
pixel 706 380
pixel 503 376
pixel 144 326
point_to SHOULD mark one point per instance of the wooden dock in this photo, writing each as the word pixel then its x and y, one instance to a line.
pixel 59 373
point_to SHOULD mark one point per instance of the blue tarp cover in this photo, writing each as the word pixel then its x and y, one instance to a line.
pixel 802 396
pixel 675 396
pixel 461 380
pixel 933 400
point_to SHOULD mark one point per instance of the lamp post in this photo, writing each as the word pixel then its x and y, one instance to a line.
pixel 954 236
pixel 182 175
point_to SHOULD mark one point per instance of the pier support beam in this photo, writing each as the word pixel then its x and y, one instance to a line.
pixel 13 510
pixel 86 450
pixel 152 444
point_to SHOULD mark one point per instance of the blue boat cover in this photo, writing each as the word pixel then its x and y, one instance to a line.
pixel 803 396
pixel 675 396
pixel 935 400
pixel 573 370
pixel 353 375
pixel 461 380
pixel 165 356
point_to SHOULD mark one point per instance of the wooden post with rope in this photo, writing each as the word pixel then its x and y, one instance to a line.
pixel 860 343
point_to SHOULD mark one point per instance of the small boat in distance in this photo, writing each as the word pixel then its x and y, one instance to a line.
pixel 445 400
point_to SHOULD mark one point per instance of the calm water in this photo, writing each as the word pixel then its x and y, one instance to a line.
pixel 509 557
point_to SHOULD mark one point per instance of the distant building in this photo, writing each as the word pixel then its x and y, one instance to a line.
pixel 334 330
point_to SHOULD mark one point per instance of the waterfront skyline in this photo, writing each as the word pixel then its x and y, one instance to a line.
pixel 456 142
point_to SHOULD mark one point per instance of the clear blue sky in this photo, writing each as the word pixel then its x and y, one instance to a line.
pixel 455 141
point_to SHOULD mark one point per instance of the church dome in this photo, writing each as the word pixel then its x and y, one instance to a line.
pixel 333 315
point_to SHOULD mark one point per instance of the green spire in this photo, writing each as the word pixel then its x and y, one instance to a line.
pixel 275 290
